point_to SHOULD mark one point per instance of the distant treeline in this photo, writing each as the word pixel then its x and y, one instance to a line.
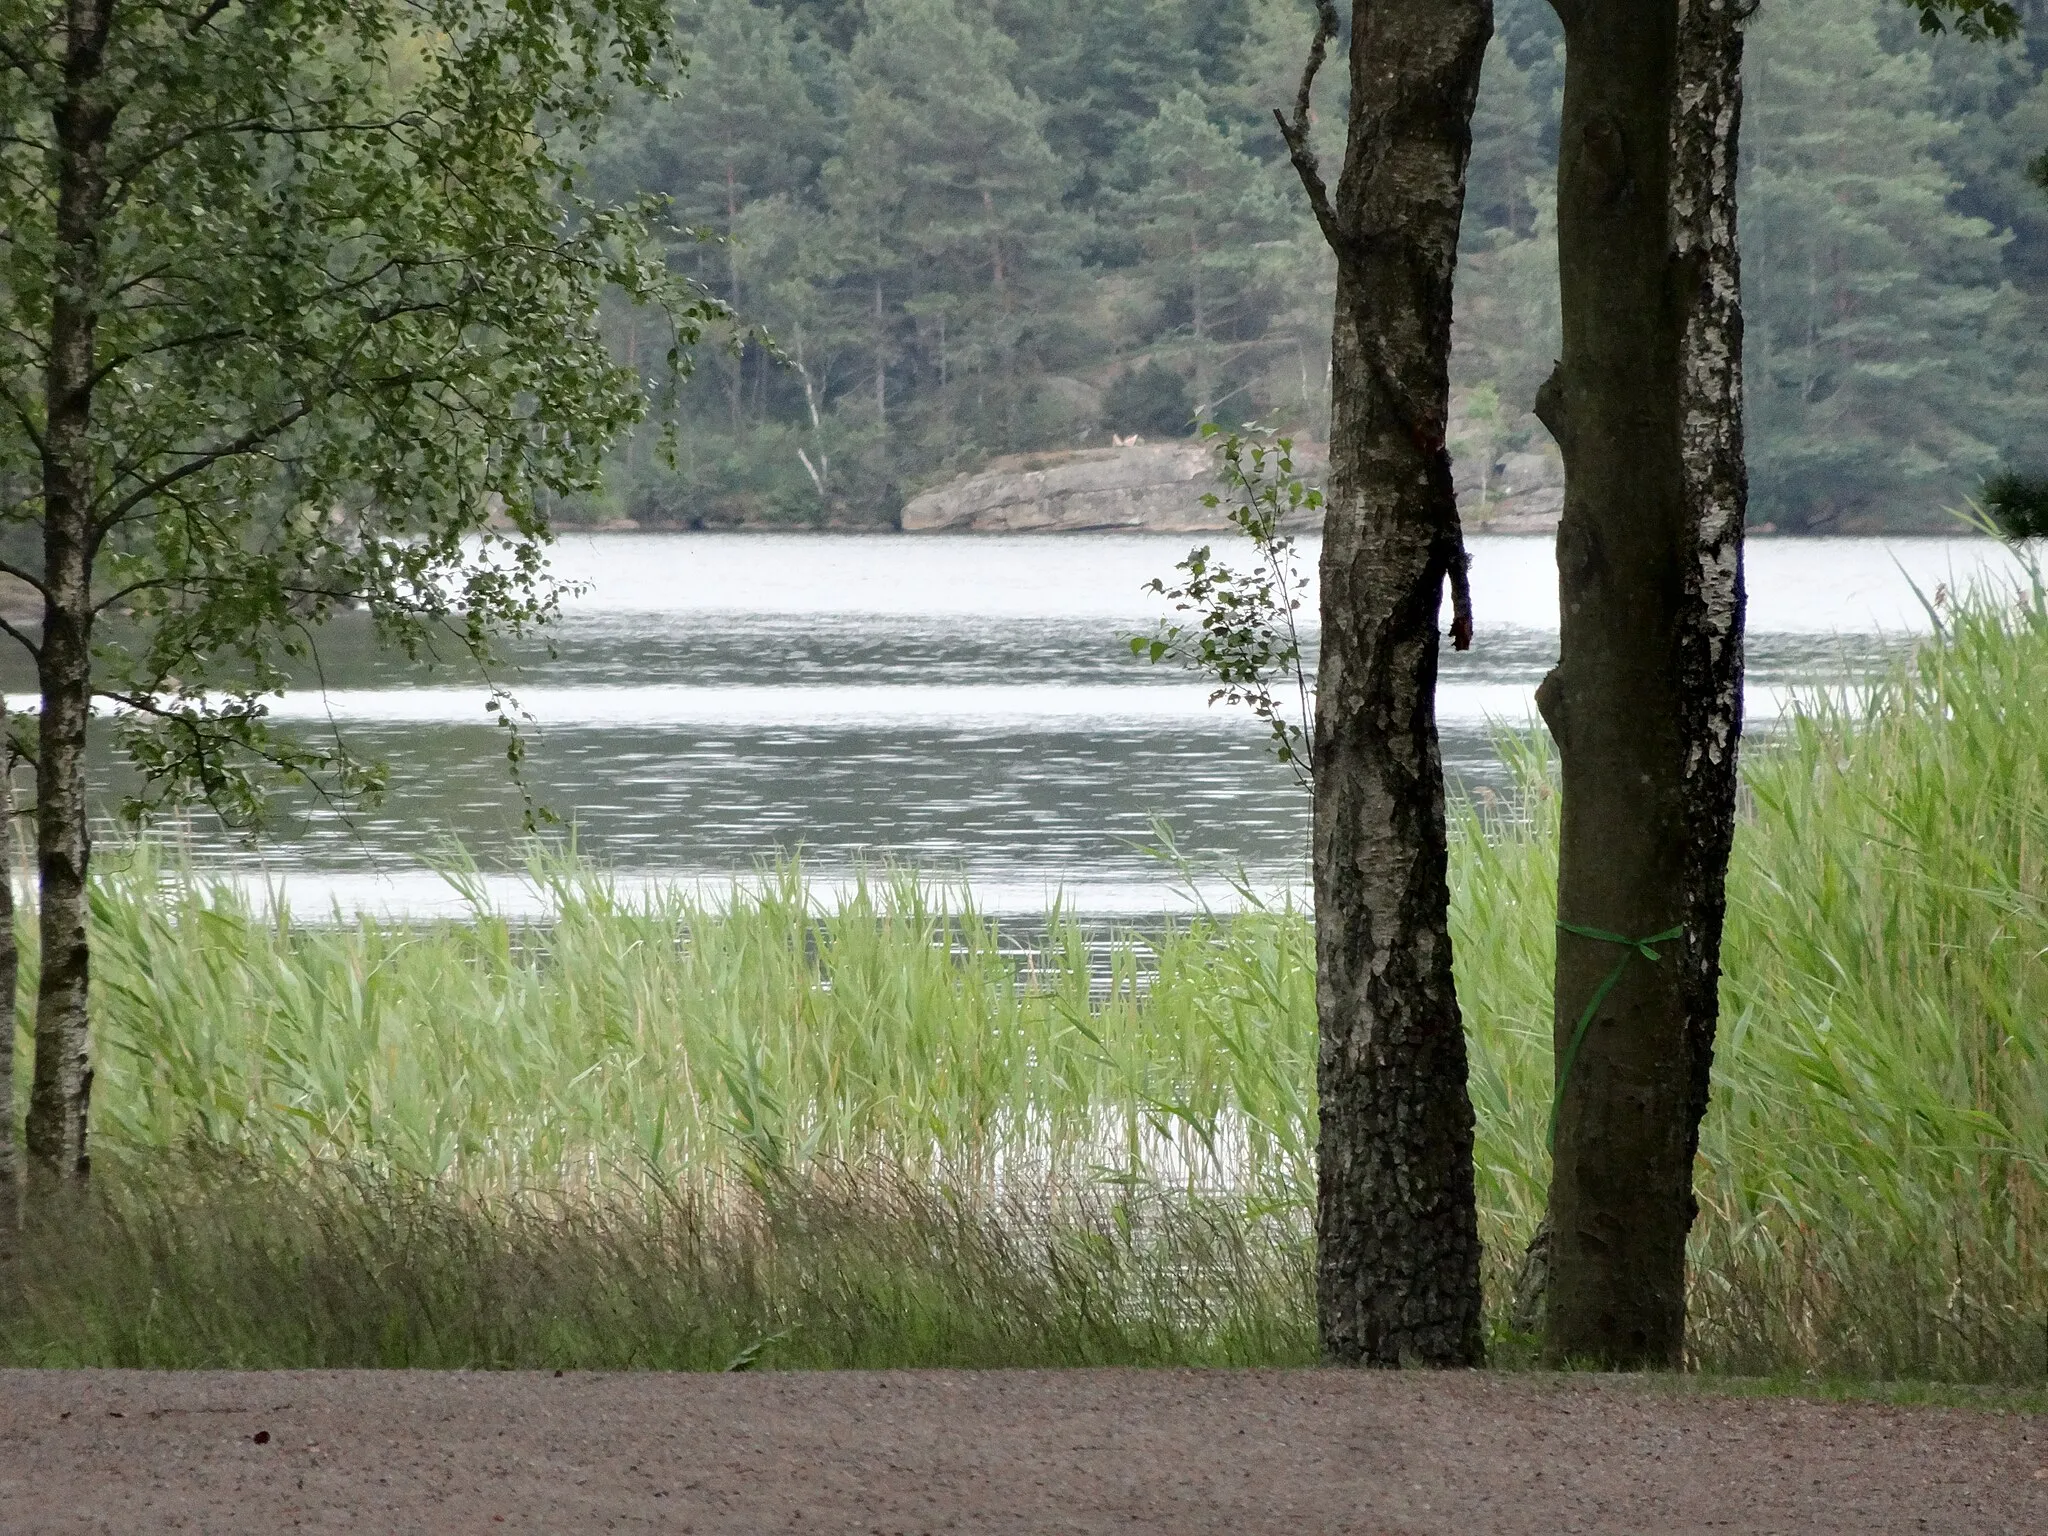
pixel 976 227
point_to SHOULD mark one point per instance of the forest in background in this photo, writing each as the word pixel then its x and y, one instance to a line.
pixel 958 229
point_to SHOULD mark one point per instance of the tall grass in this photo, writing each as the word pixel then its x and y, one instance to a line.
pixel 1873 1170
pixel 671 1043
pixel 666 1130
pixel 222 1264
pixel 1876 1166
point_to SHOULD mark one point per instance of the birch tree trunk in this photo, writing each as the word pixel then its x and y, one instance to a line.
pixel 10 977
pixel 1645 702
pixel 1397 1242
pixel 62 1085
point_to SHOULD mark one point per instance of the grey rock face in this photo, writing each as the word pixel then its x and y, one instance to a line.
pixel 1158 487
pixel 1524 494
pixel 1149 485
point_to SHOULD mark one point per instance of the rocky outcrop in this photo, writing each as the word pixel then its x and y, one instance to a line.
pixel 1158 487
pixel 1523 494
pixel 1502 489
pixel 1155 486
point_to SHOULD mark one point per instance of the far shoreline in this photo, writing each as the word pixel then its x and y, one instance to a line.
pixel 1960 530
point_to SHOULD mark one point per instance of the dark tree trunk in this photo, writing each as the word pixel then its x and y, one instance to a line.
pixel 10 976
pixel 62 1085
pixel 1709 640
pixel 1645 701
pixel 1397 1240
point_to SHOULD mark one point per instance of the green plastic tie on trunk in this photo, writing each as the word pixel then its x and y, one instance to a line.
pixel 1632 948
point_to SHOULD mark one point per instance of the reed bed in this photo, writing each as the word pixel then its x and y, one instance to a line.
pixel 666 1130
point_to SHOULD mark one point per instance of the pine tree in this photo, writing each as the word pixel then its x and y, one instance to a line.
pixel 1507 333
pixel 1102 67
pixel 1998 99
pixel 739 127
pixel 1263 72
pixel 1508 330
pixel 1291 383
pixel 1508 157
pixel 946 204
pixel 1201 210
pixel 743 125
pixel 1876 388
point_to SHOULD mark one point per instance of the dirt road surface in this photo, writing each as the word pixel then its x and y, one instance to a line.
pixel 1182 1452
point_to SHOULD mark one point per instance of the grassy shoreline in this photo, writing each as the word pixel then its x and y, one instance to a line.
pixel 674 1133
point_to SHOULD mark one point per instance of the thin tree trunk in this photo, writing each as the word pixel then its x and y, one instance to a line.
pixel 995 250
pixel 735 366
pixel 881 365
pixel 62 1084
pixel 1644 702
pixel 10 977
pixel 1397 1241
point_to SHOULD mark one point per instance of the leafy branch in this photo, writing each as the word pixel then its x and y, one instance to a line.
pixel 1242 628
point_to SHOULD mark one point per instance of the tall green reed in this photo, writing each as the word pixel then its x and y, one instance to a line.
pixel 1873 1169
pixel 1871 1172
pixel 674 1041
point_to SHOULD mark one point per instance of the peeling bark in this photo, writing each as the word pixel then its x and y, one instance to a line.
pixel 1397 1240
pixel 1645 701
pixel 1713 602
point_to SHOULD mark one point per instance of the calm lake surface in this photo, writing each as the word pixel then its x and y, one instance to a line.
pixel 964 705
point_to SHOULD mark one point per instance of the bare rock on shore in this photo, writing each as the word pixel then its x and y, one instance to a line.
pixel 1158 487
pixel 1153 487
pixel 1518 493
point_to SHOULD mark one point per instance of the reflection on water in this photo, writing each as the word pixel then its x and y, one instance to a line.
pixel 964 704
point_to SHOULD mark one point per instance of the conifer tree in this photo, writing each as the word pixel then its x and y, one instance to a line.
pixel 1508 159
pixel 1874 377
pixel 946 204
pixel 1202 210
pixel 1102 68
pixel 738 127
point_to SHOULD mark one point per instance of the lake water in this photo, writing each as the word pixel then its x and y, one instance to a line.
pixel 964 705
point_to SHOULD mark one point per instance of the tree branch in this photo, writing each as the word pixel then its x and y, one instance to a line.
pixel 1296 132
pixel 21 415
pixel 9 568
pixel 250 440
pixel 8 629
pixel 205 18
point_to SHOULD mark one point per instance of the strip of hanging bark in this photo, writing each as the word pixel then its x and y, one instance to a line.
pixel 1645 700
pixel 1397 1240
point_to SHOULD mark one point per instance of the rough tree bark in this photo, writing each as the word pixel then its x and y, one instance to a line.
pixel 10 976
pixel 1645 703
pixel 1397 1241
pixel 84 123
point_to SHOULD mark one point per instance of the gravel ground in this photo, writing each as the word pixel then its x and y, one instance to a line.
pixel 1182 1452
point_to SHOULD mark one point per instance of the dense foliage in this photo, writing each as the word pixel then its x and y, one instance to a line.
pixel 339 345
pixel 976 227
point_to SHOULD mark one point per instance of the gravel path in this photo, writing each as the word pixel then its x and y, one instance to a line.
pixel 1179 1452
